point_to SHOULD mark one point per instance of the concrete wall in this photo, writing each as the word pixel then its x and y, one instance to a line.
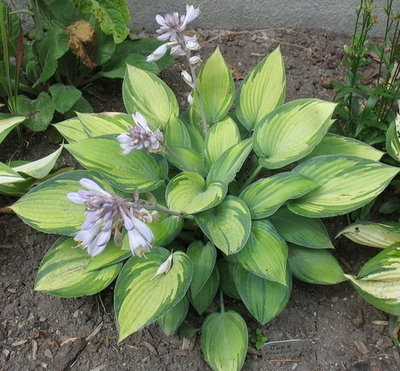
pixel 330 15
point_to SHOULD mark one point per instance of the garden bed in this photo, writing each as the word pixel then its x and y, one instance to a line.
pixel 341 330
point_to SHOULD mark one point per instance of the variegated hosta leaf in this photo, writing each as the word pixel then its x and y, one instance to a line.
pixel 47 208
pixel 263 298
pixel 227 271
pixel 8 175
pixel 346 183
pixel 72 130
pixel 291 131
pixel 186 159
pixel 196 134
pixel 300 230
pixel 204 298
pixel 203 257
pixel 105 123
pixel 171 320
pixel 111 255
pixel 224 341
pixel 228 225
pixel 144 92
pixel 373 234
pixel 137 170
pixel 222 136
pixel 188 193
pixel 265 253
pixel 176 134
pixel 333 144
pixel 166 229
pixel 316 266
pixel 63 271
pixel 262 90
pixel 141 298
pixel 379 280
pixel 7 123
pixel 16 189
pixel 39 168
pixel 265 196
pixel 227 165
pixel 216 88
pixel 393 142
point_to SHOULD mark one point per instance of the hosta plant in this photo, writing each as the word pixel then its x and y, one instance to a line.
pixel 225 197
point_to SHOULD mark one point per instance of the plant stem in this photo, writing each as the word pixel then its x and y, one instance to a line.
pixel 252 176
pixel 163 209
pixel 221 300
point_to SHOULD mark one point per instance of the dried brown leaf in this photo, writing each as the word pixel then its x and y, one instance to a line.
pixel 82 37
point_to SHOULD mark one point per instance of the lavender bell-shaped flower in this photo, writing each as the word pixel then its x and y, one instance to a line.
pixel 140 136
pixel 106 213
pixel 172 25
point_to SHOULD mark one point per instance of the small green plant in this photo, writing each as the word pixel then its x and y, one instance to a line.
pixel 217 199
pixel 367 98
pixel 259 339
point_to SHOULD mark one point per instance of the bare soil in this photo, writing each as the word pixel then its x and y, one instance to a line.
pixel 342 332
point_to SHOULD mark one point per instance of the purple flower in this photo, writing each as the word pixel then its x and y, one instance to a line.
pixel 140 136
pixel 107 213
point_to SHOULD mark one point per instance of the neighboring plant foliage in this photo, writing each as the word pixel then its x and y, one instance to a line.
pixel 41 75
pixel 367 96
pixel 216 198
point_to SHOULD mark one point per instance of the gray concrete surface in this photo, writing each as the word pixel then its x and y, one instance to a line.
pixel 330 15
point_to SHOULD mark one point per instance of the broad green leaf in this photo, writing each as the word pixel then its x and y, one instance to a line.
pixel 346 183
pixel 227 225
pixel 176 134
pixel 47 208
pixel 166 229
pixel 265 253
pixel 216 88
pixel 316 266
pixel 144 92
pixel 262 90
pixel 373 234
pixel 50 49
pixel 113 16
pixel 333 144
pixel 203 258
pixel 141 298
pixel 171 320
pixel 291 131
pixel 224 341
pixel 105 123
pixel 110 256
pixel 379 280
pixel 64 96
pixel 186 159
pixel 204 298
pixel 300 230
pixel 8 175
pixel 117 70
pixel 188 193
pixel 39 168
pixel 137 170
pixel 196 135
pixel 227 165
pixel 16 189
pixel 227 271
pixel 263 298
pixel 393 142
pixel 7 123
pixel 63 271
pixel 265 196
pixel 40 111
pixel 72 130
pixel 222 136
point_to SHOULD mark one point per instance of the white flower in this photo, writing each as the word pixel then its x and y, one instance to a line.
pixel 187 78
pixel 158 53
pixel 140 237
pixel 190 99
pixel 191 14
pixel 194 60
pixel 191 42
pixel 164 267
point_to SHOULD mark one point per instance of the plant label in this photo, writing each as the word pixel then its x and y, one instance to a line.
pixel 287 348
